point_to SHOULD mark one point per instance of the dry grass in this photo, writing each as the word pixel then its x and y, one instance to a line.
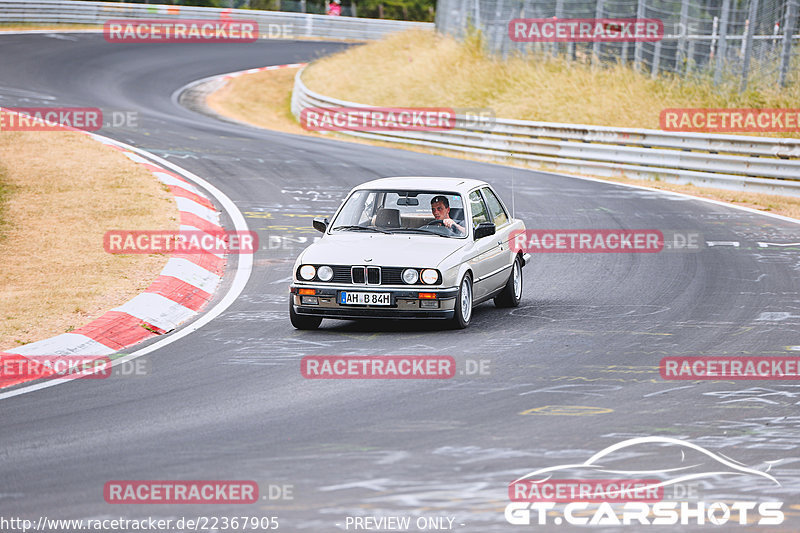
pixel 262 99
pixel 63 192
pixel 419 68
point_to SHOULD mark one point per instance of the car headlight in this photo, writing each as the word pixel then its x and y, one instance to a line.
pixel 430 276
pixel 307 272
pixel 410 276
pixel 325 273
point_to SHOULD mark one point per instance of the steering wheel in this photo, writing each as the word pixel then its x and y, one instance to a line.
pixel 440 223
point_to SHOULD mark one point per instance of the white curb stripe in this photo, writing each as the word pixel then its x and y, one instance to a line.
pixel 193 229
pixel 64 344
pixel 157 310
pixel 168 179
pixel 101 139
pixel 137 158
pixel 190 206
pixel 193 274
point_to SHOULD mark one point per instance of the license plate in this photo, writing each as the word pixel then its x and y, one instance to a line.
pixel 364 298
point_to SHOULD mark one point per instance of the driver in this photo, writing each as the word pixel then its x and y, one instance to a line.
pixel 440 207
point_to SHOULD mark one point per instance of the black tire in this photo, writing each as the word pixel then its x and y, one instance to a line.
pixel 302 321
pixel 463 306
pixel 512 293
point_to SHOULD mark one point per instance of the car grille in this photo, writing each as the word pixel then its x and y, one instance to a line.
pixel 357 275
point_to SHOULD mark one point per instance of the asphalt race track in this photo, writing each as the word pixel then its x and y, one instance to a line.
pixel 579 357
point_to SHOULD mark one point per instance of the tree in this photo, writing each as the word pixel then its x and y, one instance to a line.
pixel 397 9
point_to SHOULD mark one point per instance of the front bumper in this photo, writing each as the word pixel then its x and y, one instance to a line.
pixel 403 303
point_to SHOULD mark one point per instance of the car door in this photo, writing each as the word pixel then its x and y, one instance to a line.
pixel 484 250
pixel 500 262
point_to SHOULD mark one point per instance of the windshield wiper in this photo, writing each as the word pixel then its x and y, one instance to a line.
pixel 350 228
pixel 420 230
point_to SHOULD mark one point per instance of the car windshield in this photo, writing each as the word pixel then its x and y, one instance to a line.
pixel 403 212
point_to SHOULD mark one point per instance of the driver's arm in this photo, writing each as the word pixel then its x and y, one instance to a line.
pixel 458 227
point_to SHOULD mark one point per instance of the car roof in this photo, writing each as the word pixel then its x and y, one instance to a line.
pixel 420 183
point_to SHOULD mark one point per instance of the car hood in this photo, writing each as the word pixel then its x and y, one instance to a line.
pixel 351 248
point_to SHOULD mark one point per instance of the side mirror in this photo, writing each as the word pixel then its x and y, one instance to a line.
pixel 320 224
pixel 484 229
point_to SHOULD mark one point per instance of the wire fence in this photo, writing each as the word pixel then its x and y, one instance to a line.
pixel 297 25
pixel 727 40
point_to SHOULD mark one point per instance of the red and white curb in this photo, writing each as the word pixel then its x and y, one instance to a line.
pixel 183 288
pixel 260 69
pixel 221 79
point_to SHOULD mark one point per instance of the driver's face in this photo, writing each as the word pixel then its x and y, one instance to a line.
pixel 440 212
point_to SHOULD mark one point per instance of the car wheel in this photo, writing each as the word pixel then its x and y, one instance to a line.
pixel 512 292
pixel 303 321
pixel 463 307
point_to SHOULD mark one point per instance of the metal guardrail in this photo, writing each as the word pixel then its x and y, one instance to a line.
pixel 301 25
pixel 758 164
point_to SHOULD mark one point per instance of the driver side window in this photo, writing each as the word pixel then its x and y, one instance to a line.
pixel 478 209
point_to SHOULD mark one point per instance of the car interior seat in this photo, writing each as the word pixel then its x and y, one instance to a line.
pixel 387 218
pixel 457 214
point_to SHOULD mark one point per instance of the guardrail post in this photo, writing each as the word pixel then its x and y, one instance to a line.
pixel 656 60
pixel 598 14
pixel 690 56
pixel 788 32
pixel 501 31
pixel 723 35
pixel 748 43
pixel 637 48
pixel 680 55
pixel 559 13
